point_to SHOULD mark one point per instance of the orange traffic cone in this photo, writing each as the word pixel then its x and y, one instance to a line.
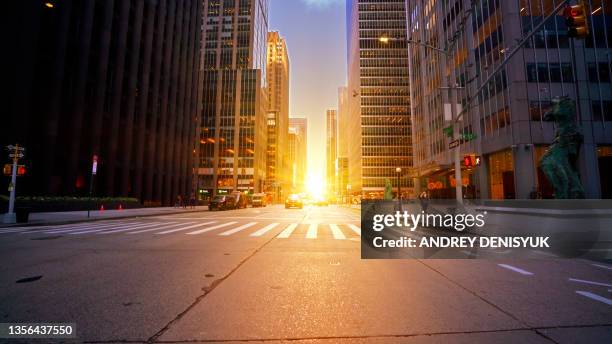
pixel 102 207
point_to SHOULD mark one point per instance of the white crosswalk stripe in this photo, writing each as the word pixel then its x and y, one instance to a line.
pixel 186 228
pixel 211 228
pixel 68 227
pixel 238 229
pixel 355 229
pixel 125 229
pixel 98 230
pixel 336 232
pixel 87 227
pixel 287 231
pixel 160 226
pixel 9 231
pixel 265 230
pixel 312 231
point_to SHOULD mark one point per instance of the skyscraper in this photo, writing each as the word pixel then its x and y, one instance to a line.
pixel 115 79
pixel 234 103
pixel 379 92
pixel 331 149
pixel 278 170
pixel 298 154
pixel 506 117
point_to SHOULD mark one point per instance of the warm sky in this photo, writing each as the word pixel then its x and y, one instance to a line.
pixel 315 32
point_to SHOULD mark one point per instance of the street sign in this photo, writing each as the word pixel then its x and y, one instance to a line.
pixel 12 155
pixel 453 144
pixel 13 148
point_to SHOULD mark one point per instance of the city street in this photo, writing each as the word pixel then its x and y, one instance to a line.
pixel 272 274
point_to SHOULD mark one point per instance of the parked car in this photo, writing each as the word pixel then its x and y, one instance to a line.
pixel 221 202
pixel 259 200
pixel 294 201
pixel 241 201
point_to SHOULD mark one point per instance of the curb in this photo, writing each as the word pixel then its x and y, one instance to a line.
pixel 67 222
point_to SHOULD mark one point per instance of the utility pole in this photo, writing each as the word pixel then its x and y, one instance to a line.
pixel 15 152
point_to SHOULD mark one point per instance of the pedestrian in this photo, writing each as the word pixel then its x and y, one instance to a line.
pixel 185 200
pixel 179 201
pixel 192 201
pixel 424 199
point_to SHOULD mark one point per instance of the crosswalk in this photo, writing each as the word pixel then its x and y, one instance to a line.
pixel 209 227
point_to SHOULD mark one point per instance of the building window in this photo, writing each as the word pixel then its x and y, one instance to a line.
pixel 602 110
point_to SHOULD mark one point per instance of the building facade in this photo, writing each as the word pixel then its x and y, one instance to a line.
pixel 234 103
pixel 112 79
pixel 331 150
pixel 379 89
pixel 506 118
pixel 278 170
pixel 298 153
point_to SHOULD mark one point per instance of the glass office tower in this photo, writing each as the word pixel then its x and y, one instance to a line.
pixel 233 139
pixel 379 92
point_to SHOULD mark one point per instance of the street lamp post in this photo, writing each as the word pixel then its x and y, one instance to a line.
pixel 399 187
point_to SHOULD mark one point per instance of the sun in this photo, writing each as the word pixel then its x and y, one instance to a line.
pixel 315 185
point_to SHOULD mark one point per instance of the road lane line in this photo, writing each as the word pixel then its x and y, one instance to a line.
pixel 287 231
pixel 265 230
pixel 515 269
pixel 189 226
pixel 238 229
pixel 72 226
pixel 160 227
pixel 336 232
pixel 212 228
pixel 355 229
pixel 603 266
pixel 595 297
pixel 590 282
pixel 312 231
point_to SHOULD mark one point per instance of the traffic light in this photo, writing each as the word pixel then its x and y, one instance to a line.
pixel 21 170
pixel 471 160
pixel 576 21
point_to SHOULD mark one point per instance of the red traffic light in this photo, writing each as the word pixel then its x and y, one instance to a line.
pixel 576 21
pixel 21 170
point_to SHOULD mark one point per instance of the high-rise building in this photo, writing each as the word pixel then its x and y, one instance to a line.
pixel 114 79
pixel 379 92
pixel 234 102
pixel 331 149
pixel 278 170
pixel 349 145
pixel 506 118
pixel 298 154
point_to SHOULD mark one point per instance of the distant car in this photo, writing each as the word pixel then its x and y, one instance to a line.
pixel 294 201
pixel 259 200
pixel 321 202
pixel 221 202
pixel 241 201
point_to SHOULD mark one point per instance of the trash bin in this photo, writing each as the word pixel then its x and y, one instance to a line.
pixel 22 214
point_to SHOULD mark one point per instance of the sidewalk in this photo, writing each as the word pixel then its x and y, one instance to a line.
pixel 79 216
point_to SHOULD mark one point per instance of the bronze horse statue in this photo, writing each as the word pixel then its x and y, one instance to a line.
pixel 559 161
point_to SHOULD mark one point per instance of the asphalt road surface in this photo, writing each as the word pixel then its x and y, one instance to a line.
pixel 275 275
